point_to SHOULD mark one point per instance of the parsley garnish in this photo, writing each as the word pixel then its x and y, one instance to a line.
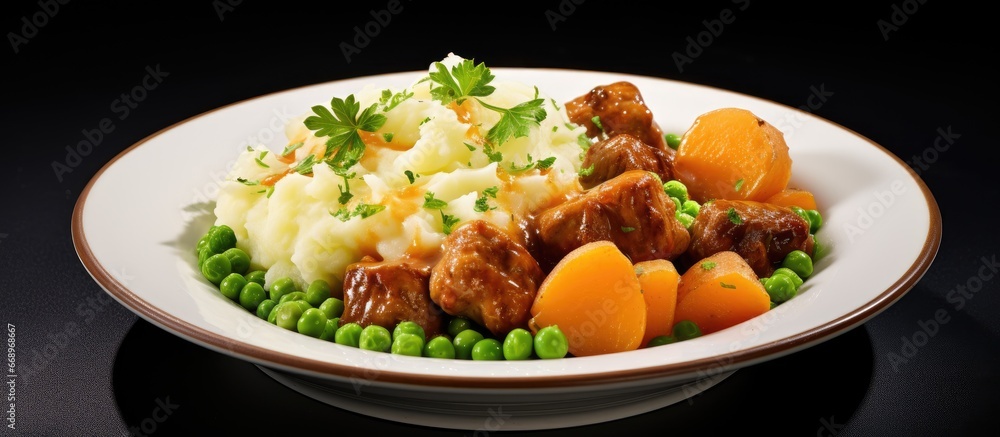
pixel 249 149
pixel 555 104
pixel 597 122
pixel 390 100
pixel 493 155
pixel 470 147
pixel 627 229
pixel 465 80
pixel 343 214
pixel 545 163
pixel 725 285
pixel 739 184
pixel 708 265
pixel 425 120
pixel 306 166
pixel 247 182
pixel 482 203
pixel 387 137
pixel 431 203
pixel 345 191
pixel 515 122
pixel 410 176
pixel 584 141
pixel 587 171
pixel 734 217
pixel 447 221
pixel 515 168
pixel 365 210
pixel 260 157
pixel 345 147
pixel 492 191
pixel 291 148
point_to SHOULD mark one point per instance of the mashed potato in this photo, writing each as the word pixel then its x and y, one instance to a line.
pixel 297 227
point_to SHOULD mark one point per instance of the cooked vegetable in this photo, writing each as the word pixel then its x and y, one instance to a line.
pixel 221 239
pixel 281 287
pixel 332 307
pixel 487 349
pixel 518 345
pixel 729 145
pixel 317 292
pixel 288 314
pixel 312 322
pixel 594 297
pixel 330 330
pixel 686 330
pixel 790 197
pixel 464 342
pixel 727 293
pixel 252 295
pixel 408 327
pixel 659 280
pixel 256 276
pixel 408 344
pixel 661 340
pixel 265 307
pixel 439 347
pixel 216 268
pixel 799 262
pixel 375 338
pixel 238 259
pixel 780 288
pixel 796 279
pixel 231 285
pixel 550 343
pixel 349 334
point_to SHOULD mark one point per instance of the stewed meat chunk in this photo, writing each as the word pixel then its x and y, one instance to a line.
pixel 761 233
pixel 390 292
pixel 486 276
pixel 620 110
pixel 621 153
pixel 630 210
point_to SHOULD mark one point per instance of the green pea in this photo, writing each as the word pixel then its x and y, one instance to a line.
pixel 281 287
pixel 332 307
pixel 349 334
pixel 459 324
pixel 801 213
pixel 265 307
pixel 772 305
pixel 517 345
pixel 408 344
pixel 487 349
pixel 676 189
pixel 799 262
pixel 409 327
pixel 252 295
pixel 272 317
pixel 551 343
pixel 686 330
pixel 817 249
pixel 231 285
pixel 330 330
pixel 673 140
pixel 203 254
pixel 317 292
pixel 661 340
pixel 439 347
pixel 780 288
pixel 815 220
pixel 288 315
pixel 295 295
pixel 238 259
pixel 202 243
pixel 796 280
pixel 691 208
pixel 216 268
pixel 464 342
pixel 256 276
pixel 302 304
pixel 312 323
pixel 375 338
pixel 221 239
pixel 677 204
pixel 685 219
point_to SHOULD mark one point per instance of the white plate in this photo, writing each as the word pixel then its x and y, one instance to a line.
pixel 137 222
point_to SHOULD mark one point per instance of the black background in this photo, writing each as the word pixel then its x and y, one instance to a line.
pixel 930 73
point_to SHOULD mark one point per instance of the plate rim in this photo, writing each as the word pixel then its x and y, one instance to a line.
pixel 295 363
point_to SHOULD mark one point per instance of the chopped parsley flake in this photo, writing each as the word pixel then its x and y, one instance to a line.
pixel 470 147
pixel 431 203
pixel 390 100
pixel 627 229
pixel 734 217
pixel 492 191
pixel 247 182
pixel 493 155
pixel 345 191
pixel 545 163
pixel 447 222
pixel 708 265
pixel 597 122
pixel 410 176
pixel 725 285
pixel 306 166
pixel 387 137
pixel 424 121
pixel 739 185
pixel 587 171
pixel 365 210
pixel 259 159
pixel 291 148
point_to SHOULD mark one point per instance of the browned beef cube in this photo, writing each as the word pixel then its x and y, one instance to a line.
pixel 387 293
pixel 621 110
pixel 761 233
pixel 486 276
pixel 621 153
pixel 630 210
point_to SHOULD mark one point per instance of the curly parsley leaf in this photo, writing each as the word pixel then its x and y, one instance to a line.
pixel 465 80
pixel 431 203
pixel 448 222
pixel 515 122
pixel 345 147
pixel 545 163
pixel 492 191
pixel 365 210
pixel 492 154
pixel 390 100
pixel 306 165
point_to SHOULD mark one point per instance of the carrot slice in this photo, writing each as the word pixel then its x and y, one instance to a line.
pixel 594 297
pixel 659 280
pixel 730 153
pixel 720 291
pixel 793 197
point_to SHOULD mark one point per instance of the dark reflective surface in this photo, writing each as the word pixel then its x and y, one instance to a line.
pixel 169 386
